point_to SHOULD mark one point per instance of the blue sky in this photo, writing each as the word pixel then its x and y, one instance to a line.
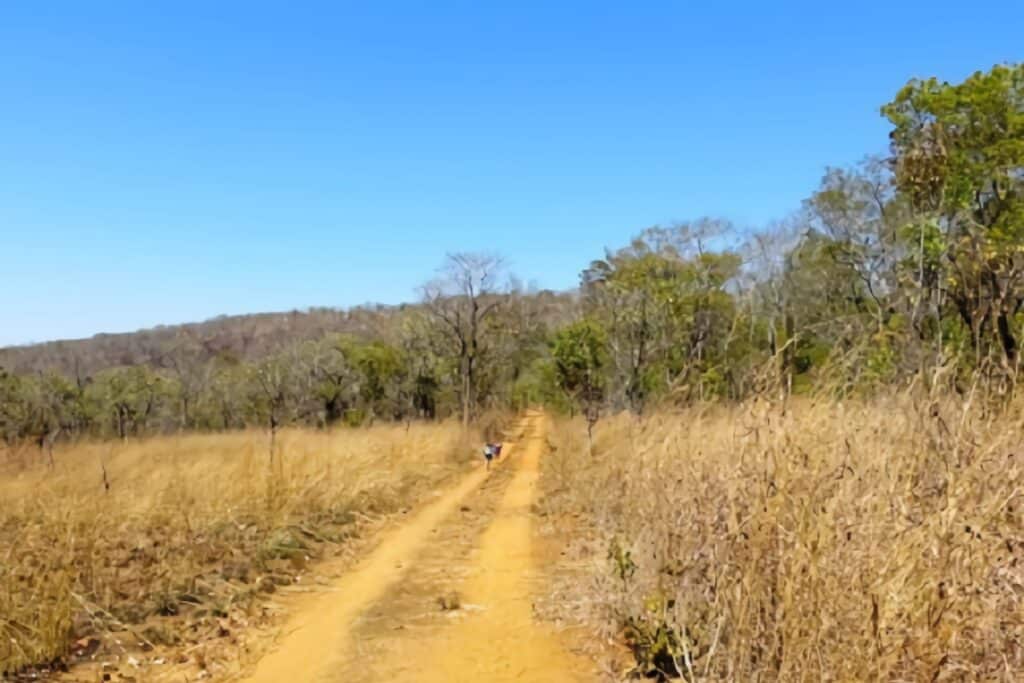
pixel 164 162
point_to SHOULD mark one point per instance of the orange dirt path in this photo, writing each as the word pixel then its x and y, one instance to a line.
pixel 502 641
pixel 495 637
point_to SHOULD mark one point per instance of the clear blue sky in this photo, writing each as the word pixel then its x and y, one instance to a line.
pixel 163 162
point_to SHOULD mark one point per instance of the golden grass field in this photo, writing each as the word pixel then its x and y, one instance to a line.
pixel 189 530
pixel 878 540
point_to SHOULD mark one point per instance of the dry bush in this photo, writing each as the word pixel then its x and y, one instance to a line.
pixel 159 537
pixel 877 540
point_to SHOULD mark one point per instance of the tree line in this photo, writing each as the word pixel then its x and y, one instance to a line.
pixel 905 268
pixel 458 353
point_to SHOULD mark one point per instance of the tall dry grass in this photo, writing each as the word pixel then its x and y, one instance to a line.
pixel 160 537
pixel 877 540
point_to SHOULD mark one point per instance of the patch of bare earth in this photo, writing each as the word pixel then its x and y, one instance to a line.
pixel 449 597
pixel 388 636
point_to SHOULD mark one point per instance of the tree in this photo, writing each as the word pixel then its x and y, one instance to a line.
pixel 664 302
pixel 131 397
pixel 462 300
pixel 274 392
pixel 333 375
pixel 15 410
pixel 382 373
pixel 53 401
pixel 519 340
pixel 627 292
pixel 855 208
pixel 958 155
pixel 580 351
pixel 422 346
pixel 186 358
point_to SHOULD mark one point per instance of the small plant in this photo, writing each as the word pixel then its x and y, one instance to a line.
pixel 622 559
pixel 654 642
pixel 449 602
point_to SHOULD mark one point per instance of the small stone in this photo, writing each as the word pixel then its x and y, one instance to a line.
pixel 449 602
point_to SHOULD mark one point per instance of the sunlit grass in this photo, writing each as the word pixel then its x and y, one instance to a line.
pixel 118 535
pixel 880 540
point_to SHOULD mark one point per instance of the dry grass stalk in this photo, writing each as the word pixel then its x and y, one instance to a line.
pixel 192 527
pixel 879 540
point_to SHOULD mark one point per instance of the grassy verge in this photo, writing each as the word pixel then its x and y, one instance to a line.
pixel 854 541
pixel 162 540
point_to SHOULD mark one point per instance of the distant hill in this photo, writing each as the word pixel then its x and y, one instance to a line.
pixel 243 337
pixel 240 336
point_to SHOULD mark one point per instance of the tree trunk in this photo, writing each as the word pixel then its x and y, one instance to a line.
pixel 1006 338
pixel 788 354
pixel 467 388
pixel 273 436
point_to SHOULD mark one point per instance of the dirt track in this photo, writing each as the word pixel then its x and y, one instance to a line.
pixel 383 621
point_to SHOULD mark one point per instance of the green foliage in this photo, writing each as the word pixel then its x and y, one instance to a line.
pixel 880 364
pixel 14 408
pixel 539 385
pixel 656 645
pixel 958 157
pixel 956 141
pixel 622 561
pixel 382 370
pixel 580 353
pixel 664 303
pixel 128 398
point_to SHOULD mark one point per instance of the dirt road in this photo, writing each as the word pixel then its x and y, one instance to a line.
pixel 445 597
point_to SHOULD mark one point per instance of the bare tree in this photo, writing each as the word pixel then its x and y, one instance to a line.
pixel 462 299
pixel 855 208
pixel 187 359
pixel 274 391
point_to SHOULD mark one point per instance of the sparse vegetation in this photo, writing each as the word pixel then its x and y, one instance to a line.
pixel 847 540
pixel 157 539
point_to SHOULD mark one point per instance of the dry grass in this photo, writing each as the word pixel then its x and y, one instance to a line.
pixel 856 541
pixel 191 529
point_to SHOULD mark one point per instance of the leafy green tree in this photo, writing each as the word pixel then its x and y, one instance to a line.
pixel 958 151
pixel 667 311
pixel 15 410
pixel 382 373
pixel 829 316
pixel 227 396
pixel 580 352
pixel 537 385
pixel 130 396
pixel 55 406
pixel 423 348
pixel 333 375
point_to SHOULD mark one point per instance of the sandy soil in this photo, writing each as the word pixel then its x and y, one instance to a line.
pixel 446 596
